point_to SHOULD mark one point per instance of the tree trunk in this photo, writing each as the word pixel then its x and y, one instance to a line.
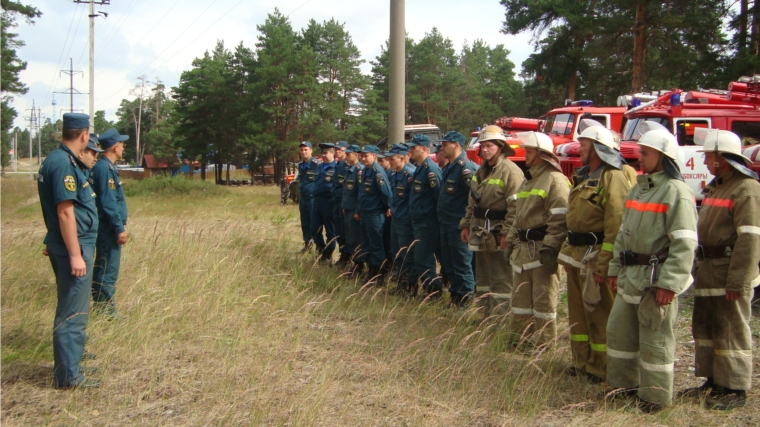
pixel 203 170
pixel 743 25
pixel 639 47
pixel 754 48
pixel 228 173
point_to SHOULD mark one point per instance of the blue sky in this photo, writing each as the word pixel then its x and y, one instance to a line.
pixel 160 38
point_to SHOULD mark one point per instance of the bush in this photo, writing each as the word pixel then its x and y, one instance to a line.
pixel 173 186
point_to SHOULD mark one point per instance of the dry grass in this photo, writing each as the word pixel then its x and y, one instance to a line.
pixel 228 325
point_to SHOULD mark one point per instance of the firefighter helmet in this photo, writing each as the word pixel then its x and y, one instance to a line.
pixel 662 141
pixel 496 135
pixel 719 141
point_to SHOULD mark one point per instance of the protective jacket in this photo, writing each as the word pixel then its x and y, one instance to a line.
pixel 660 218
pixel 729 220
pixel 541 207
pixel 595 205
pixel 494 209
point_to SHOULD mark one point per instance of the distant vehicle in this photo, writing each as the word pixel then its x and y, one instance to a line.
pixel 563 124
pixel 432 131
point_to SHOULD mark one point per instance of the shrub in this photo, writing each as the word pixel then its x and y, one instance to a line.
pixel 173 186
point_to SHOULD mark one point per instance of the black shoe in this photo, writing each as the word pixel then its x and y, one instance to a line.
pixel 465 300
pixel 434 296
pixel 621 394
pixel 574 372
pixel 325 257
pixel 358 270
pixel 84 383
pixel 343 260
pixel 307 246
pixel 373 275
pixel 648 407
pixel 593 379
pixel 727 400
pixel 708 388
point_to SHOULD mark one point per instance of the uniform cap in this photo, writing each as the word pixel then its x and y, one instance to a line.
pixel 92 143
pixel 110 137
pixel 76 121
pixel 420 139
pixel 341 144
pixel 370 149
pixel 353 148
pixel 399 149
pixel 454 136
pixel 326 145
pixel 305 144
pixel 435 148
pixel 382 154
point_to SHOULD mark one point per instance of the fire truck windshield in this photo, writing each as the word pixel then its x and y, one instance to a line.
pixel 631 132
pixel 559 124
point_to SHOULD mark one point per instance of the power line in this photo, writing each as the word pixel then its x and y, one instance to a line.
pixel 58 63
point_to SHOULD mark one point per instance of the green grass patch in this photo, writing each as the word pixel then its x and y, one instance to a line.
pixel 162 186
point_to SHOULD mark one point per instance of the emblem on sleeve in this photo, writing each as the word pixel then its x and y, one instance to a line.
pixel 69 183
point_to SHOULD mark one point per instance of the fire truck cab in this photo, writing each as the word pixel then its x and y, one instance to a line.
pixel 562 124
pixel 511 125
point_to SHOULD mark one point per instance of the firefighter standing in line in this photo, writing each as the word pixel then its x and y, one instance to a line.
pixel 535 238
pixel 384 161
pixel 307 168
pixel 422 208
pixel 595 209
pixel 489 214
pixel 456 257
pixel 402 234
pixel 374 195
pixel 728 255
pixel 337 198
pixel 350 206
pixel 322 211
pixel 654 254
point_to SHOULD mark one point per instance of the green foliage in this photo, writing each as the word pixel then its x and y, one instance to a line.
pixel 101 123
pixel 165 186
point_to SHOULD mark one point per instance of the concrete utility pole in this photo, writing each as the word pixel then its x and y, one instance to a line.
pixel 93 15
pixel 31 131
pixel 39 136
pixel 397 78
pixel 138 154
pixel 71 92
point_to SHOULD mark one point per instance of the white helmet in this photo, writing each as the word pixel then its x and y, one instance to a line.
pixel 537 140
pixel 662 141
pixel 496 135
pixel 719 141
pixel 599 134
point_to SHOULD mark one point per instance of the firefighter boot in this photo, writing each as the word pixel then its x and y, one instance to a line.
pixel 708 387
pixel 727 399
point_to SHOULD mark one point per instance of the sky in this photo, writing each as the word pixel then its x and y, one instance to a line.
pixel 160 39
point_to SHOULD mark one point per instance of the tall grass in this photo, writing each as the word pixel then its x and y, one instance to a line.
pixel 227 324
pixel 165 186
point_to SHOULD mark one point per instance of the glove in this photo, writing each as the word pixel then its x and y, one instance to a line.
pixel 548 257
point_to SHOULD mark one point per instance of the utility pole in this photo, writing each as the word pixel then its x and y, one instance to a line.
pixel 39 136
pixel 71 92
pixel 15 152
pixel 138 154
pixel 93 15
pixel 31 131
pixel 396 79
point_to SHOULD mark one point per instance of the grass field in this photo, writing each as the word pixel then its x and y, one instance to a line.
pixel 228 325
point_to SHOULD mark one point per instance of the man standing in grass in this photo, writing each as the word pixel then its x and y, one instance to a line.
pixel 307 170
pixel 402 234
pixel 71 219
pixel 726 273
pixel 337 197
pixel 322 210
pixel 350 206
pixel 374 194
pixel 654 254
pixel 112 214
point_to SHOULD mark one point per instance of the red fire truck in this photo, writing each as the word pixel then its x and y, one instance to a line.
pixel 511 125
pixel 681 112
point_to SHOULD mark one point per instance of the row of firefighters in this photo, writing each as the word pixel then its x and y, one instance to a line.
pixel 629 243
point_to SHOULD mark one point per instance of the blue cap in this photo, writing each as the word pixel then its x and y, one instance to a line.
pixel 454 136
pixel 110 137
pixel 305 144
pixel 326 145
pixel 399 149
pixel 420 139
pixel 341 144
pixel 92 144
pixel 435 148
pixel 370 149
pixel 353 148
pixel 76 121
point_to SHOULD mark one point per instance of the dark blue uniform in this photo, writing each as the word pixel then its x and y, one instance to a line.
pixel 389 254
pixel 306 179
pixel 456 256
pixel 350 205
pixel 374 194
pixel 337 198
pixel 423 202
pixel 112 215
pixel 402 234
pixel 61 178
pixel 322 210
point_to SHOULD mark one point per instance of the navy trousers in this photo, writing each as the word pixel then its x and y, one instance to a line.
pixel 457 259
pixel 71 314
pixel 322 219
pixel 427 244
pixel 373 251
pixel 304 206
pixel 340 227
pixel 107 261
pixel 402 236
pixel 353 229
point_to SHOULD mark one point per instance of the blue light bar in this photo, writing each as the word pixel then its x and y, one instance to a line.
pixel 675 99
pixel 582 103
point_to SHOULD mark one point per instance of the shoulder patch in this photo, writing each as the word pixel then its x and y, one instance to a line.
pixel 110 166
pixel 461 162
pixel 69 183
pixel 466 172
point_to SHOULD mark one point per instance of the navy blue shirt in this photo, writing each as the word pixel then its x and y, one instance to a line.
pixel 112 206
pixel 374 191
pixel 401 184
pixel 325 178
pixel 350 201
pixel 62 178
pixel 455 189
pixel 307 172
pixel 340 173
pixel 423 201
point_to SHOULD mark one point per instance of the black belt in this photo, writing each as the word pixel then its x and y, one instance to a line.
pixel 491 214
pixel 584 239
pixel 632 258
pixel 537 233
pixel 710 252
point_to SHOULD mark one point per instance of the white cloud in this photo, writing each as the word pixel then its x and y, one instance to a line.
pixel 161 38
